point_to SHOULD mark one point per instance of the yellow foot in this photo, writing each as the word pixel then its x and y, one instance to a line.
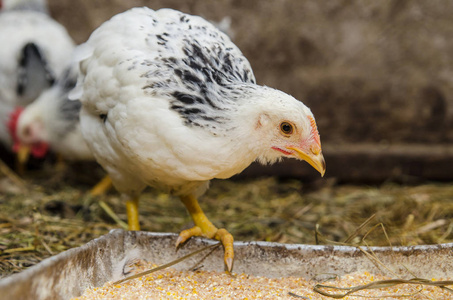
pixel 203 227
pixel 221 235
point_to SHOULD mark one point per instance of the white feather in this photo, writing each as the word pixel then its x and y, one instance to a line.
pixel 81 53
pixel 18 28
pixel 143 135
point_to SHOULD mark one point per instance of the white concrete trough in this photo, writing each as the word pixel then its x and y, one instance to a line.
pixel 68 274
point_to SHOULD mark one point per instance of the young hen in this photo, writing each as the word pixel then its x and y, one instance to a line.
pixel 35 50
pixel 53 120
pixel 170 102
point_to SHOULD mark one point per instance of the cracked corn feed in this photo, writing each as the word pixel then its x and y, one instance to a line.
pixel 173 284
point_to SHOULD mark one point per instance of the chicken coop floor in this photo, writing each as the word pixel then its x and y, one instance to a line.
pixel 53 212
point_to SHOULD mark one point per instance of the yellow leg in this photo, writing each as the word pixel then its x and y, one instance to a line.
pixel 204 227
pixel 102 186
pixel 132 214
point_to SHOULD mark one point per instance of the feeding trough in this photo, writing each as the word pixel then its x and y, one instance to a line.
pixel 104 259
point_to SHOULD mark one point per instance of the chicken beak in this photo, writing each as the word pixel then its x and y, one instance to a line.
pixel 314 158
pixel 23 154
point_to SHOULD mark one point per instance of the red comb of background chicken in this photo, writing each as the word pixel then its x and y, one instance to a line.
pixel 38 149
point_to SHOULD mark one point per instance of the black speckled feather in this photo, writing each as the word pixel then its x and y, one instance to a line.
pixel 69 110
pixel 198 82
pixel 34 74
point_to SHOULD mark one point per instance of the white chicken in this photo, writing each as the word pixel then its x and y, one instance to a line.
pixel 170 102
pixel 35 50
pixel 54 119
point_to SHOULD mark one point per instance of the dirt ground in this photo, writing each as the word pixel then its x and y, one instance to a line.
pixel 51 212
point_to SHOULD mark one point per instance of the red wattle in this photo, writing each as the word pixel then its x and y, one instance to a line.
pixel 282 151
pixel 39 149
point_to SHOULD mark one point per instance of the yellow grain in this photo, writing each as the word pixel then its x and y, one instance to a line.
pixel 173 284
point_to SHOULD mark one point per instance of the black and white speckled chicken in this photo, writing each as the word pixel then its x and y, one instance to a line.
pixel 170 102
pixel 35 50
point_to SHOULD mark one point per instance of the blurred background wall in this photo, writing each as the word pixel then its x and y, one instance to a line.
pixel 378 75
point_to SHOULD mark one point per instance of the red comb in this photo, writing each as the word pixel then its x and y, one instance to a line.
pixel 314 131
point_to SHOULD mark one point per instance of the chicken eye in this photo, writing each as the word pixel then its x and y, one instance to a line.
pixel 286 128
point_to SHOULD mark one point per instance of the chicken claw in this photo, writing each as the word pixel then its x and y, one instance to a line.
pixel 203 227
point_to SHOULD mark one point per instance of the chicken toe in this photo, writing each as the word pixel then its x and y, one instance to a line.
pixel 204 227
